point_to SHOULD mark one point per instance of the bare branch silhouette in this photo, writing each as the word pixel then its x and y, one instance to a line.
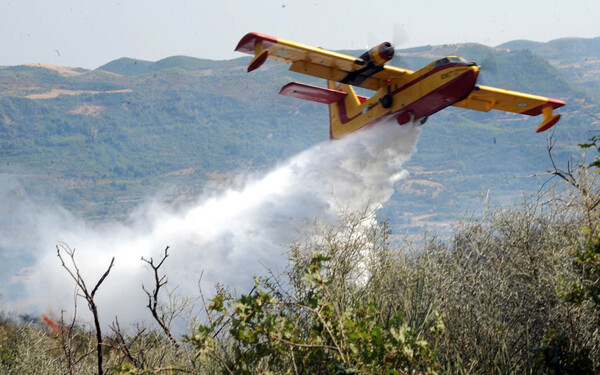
pixel 88 296
pixel 159 282
pixel 122 343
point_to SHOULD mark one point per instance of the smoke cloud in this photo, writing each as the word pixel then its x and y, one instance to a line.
pixel 227 236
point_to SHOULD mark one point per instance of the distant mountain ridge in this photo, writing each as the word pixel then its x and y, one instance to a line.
pixel 128 66
pixel 520 44
pixel 559 48
pixel 131 67
pixel 581 56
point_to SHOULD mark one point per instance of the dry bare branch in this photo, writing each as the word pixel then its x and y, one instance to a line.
pixel 89 297
pixel 123 346
pixel 159 282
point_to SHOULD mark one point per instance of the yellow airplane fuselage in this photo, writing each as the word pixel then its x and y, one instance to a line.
pixel 412 97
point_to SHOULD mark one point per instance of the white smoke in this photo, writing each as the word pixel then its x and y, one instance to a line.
pixel 228 236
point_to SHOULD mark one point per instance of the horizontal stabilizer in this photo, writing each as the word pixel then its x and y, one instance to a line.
pixel 313 93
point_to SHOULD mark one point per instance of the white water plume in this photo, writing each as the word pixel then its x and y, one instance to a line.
pixel 229 236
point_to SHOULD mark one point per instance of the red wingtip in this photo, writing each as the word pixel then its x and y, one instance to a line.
pixel 246 44
pixel 556 103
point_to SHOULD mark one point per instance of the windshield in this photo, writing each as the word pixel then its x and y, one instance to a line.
pixel 448 60
pixel 457 59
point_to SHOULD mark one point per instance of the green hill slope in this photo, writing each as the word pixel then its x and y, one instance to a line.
pixel 101 141
pixel 578 60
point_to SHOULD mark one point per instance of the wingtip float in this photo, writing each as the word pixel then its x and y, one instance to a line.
pixel 400 94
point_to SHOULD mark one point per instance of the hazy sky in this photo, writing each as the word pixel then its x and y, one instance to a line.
pixel 90 33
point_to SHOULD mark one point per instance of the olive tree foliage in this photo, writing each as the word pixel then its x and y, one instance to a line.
pixel 319 317
pixel 486 300
pixel 29 347
pixel 25 349
pixel 586 188
pixel 496 284
pixel 559 351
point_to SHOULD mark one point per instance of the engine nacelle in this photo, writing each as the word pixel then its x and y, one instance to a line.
pixel 379 55
pixel 371 62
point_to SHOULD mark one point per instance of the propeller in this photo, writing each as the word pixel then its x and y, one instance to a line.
pixel 399 37
pixel 381 53
pixel 487 68
pixel 489 64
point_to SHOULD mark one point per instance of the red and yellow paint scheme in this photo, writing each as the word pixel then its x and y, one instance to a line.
pixel 400 94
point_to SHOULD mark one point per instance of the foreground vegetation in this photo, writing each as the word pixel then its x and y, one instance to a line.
pixel 512 291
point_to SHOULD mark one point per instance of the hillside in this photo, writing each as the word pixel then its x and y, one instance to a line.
pixel 102 138
pixel 577 59
pixel 101 141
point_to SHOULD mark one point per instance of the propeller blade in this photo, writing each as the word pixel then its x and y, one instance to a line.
pixel 400 36
pixel 489 64
pixel 372 41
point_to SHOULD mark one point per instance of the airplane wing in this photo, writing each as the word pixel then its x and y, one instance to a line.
pixel 485 98
pixel 316 62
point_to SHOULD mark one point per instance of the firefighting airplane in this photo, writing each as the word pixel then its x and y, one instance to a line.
pixel 401 94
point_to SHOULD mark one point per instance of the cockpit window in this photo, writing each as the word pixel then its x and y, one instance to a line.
pixel 442 62
pixel 448 60
pixel 457 59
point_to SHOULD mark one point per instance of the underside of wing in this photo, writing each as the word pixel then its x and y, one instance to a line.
pixel 485 98
pixel 312 61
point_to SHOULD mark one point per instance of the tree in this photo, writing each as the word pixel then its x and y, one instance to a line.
pixel 315 333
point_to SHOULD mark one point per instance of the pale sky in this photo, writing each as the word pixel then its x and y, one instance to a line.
pixel 90 33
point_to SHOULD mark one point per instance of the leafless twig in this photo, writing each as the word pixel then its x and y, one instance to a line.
pixel 159 282
pixel 568 175
pixel 87 295
pixel 123 346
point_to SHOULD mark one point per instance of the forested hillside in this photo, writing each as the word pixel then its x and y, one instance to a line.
pixel 102 140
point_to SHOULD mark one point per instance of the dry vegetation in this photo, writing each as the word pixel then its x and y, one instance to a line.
pixel 62 70
pixel 54 93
